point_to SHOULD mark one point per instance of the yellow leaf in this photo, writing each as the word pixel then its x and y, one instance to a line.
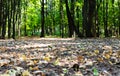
pixel 106 56
pixel 23 58
pixel 96 51
pixel 35 61
pixel 110 62
pixel 100 59
pixel 110 52
pixel 56 61
pixel 26 73
pixel 35 68
pixel 47 59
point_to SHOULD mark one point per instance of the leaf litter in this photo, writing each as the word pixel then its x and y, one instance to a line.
pixel 60 57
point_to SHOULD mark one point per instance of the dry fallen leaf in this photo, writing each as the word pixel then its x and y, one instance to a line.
pixel 96 51
pixel 47 59
pixel 38 73
pixel 100 59
pixel 80 58
pixel 107 47
pixel 118 54
pixel 23 58
pixel 106 56
pixel 26 73
pixel 34 68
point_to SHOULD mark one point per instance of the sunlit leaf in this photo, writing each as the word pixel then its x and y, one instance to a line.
pixel 96 51
pixel 100 59
pixel 65 70
pixel 106 56
pixel 47 59
pixel 26 73
pixel 23 58
pixel 118 54
pixel 4 75
pixel 56 62
pixel 95 72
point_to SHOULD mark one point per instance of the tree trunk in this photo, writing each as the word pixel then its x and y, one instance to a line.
pixel 97 23
pixel 0 17
pixel 119 16
pixel 42 19
pixel 19 17
pixel 13 36
pixel 25 27
pixel 89 31
pixel 9 18
pixel 105 17
pixel 4 19
pixel 84 15
pixel 70 20
pixel 61 19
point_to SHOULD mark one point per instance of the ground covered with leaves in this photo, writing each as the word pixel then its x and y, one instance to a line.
pixel 60 57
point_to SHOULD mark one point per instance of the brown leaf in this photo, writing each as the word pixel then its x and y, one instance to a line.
pixel 80 58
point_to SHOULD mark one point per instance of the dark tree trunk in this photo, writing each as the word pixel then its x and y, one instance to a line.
pixel 105 16
pixel 61 19
pixel 13 36
pixel 91 10
pixel 72 8
pixel 97 23
pixel 42 19
pixel 84 15
pixel 4 19
pixel 24 15
pixel 70 20
pixel 1 1
pixel 119 16
pixel 19 17
pixel 9 18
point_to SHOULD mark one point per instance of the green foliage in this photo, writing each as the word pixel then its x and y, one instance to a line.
pixel 52 16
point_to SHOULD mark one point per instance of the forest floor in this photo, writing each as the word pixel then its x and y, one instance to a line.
pixel 60 57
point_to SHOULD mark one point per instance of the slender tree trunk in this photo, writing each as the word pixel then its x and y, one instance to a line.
pixel 119 16
pixel 105 16
pixel 70 20
pixel 25 9
pixel 89 31
pixel 84 15
pixel 97 23
pixel 61 19
pixel 13 36
pixel 9 19
pixel 0 17
pixel 72 8
pixel 19 17
pixel 4 19
pixel 42 19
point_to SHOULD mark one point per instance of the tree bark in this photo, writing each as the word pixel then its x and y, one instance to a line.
pixel 9 18
pixel 70 20
pixel 85 17
pixel 61 19
pixel 42 19
pixel 91 10
pixel 119 16
pixel 13 36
